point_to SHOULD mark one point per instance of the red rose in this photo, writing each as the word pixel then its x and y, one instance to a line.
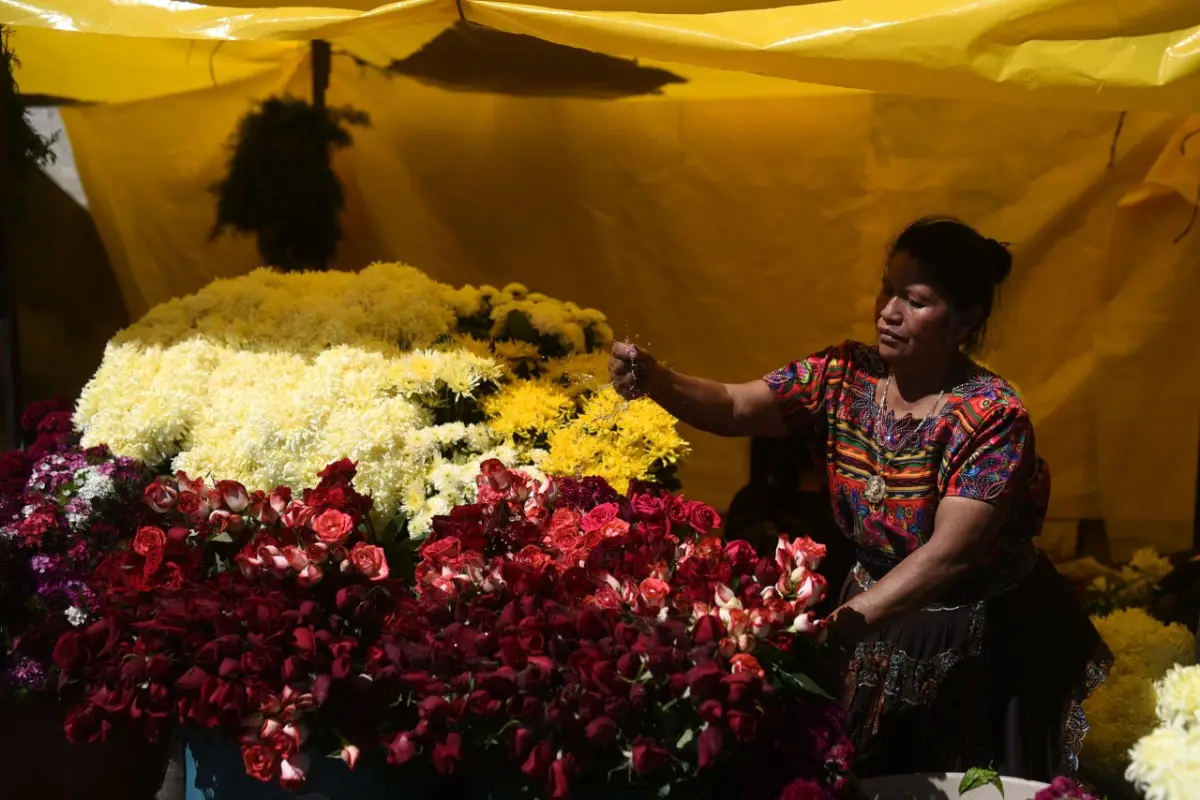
pixel 369 560
pixel 559 784
pixel 679 511
pixel 647 506
pixel 804 789
pixel 709 745
pixel 84 724
pixel 744 724
pixel 648 756
pixel 654 592
pixel 339 472
pixel 401 748
pixel 601 732
pixel 161 497
pixel 260 762
pixel 150 542
pixel 333 526
pixel 538 763
pixel 66 650
pixel 441 550
pixel 744 662
pixel 191 505
pixel 595 519
pixel 613 528
pixel 447 754
pixel 703 518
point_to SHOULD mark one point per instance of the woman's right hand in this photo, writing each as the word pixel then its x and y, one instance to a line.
pixel 631 370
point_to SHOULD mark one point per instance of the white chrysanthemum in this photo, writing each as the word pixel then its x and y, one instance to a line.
pixel 1165 765
pixel 1178 698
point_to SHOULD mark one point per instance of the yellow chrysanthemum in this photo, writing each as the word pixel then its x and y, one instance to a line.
pixel 528 409
pixel 267 378
pixel 1122 709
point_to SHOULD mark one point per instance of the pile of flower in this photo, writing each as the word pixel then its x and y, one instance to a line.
pixel 554 634
pixel 1134 585
pixel 266 378
pixel 59 506
pixel 1165 764
pixel 1121 710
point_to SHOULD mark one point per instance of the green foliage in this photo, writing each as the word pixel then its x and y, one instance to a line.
pixel 280 184
pixel 28 151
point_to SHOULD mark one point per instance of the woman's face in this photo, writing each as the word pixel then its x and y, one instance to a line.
pixel 914 321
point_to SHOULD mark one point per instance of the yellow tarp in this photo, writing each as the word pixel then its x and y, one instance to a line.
pixel 1102 54
pixel 733 222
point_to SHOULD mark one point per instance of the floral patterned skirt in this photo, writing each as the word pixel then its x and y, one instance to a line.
pixel 994 682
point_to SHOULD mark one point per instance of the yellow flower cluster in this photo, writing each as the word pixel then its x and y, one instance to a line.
pixel 1165 764
pixel 1122 709
pixel 1132 586
pixel 267 378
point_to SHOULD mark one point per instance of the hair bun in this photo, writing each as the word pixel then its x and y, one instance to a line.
pixel 1002 262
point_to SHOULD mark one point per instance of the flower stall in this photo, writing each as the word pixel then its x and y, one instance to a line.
pixel 354 532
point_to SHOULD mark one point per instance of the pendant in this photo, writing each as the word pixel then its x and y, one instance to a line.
pixel 876 490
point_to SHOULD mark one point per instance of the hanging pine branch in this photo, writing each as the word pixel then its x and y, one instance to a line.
pixel 27 151
pixel 281 185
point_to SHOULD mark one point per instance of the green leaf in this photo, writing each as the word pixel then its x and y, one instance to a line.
pixel 798 680
pixel 685 739
pixel 977 777
pixel 664 790
pixel 223 536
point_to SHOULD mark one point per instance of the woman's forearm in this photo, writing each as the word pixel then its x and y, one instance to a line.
pixel 913 584
pixel 717 408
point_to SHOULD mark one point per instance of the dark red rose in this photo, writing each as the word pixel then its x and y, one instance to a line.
pixel 744 724
pixel 260 761
pixel 679 511
pixel 802 789
pixel 709 746
pixel 601 732
pixel 704 680
pixel 340 473
pixel 190 504
pixel 648 756
pixel 711 711
pixel 447 754
pixel 708 629
pixel 521 743
pixel 401 748
pixel 649 507
pixel 84 724
pixel 742 554
pixel 441 550
pixel 559 784
pixel 67 651
pixel 703 518
pixel 538 763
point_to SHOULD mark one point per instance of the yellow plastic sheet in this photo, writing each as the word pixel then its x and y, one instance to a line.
pixel 1100 54
pixel 734 222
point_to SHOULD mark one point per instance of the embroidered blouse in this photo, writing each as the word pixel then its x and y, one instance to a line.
pixel 980 445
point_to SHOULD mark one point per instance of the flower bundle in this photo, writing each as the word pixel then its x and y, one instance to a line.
pixel 267 378
pixel 558 634
pixel 1121 710
pixel 1064 789
pixel 59 505
pixel 1165 764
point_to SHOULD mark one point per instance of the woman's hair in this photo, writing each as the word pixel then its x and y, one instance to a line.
pixel 966 265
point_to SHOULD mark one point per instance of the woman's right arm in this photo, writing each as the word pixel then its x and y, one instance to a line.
pixel 722 409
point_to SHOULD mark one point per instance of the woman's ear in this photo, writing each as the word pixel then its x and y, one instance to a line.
pixel 964 323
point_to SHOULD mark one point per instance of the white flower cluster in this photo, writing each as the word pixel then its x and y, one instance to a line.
pixel 1165 765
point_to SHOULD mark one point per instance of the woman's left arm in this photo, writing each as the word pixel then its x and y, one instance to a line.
pixel 963 531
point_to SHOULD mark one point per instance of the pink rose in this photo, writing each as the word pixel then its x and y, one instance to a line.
pixel 297 515
pixel 596 519
pixel 369 560
pixel 614 528
pixel 234 495
pixel 160 497
pixel 333 526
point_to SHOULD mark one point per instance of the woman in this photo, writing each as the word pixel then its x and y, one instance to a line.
pixel 964 646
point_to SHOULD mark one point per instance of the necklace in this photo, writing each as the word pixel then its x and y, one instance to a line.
pixel 876 489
